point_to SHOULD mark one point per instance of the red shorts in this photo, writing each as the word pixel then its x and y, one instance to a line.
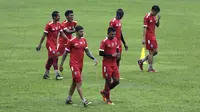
pixel 151 44
pixel 61 48
pixel 76 73
pixel 110 71
pixel 52 50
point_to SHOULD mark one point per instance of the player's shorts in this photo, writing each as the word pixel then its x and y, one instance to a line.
pixel 52 50
pixel 76 73
pixel 151 44
pixel 110 71
pixel 61 48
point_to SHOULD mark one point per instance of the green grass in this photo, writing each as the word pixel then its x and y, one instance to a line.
pixel 175 88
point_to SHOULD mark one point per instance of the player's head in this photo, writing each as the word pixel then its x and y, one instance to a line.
pixel 111 33
pixel 155 10
pixel 55 15
pixel 69 15
pixel 119 13
pixel 79 31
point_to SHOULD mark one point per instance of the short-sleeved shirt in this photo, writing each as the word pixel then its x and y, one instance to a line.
pixel 149 23
pixel 76 47
pixel 115 23
pixel 52 30
pixel 69 26
pixel 109 47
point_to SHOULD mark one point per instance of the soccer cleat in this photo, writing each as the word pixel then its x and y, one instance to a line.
pixel 109 102
pixel 58 77
pixel 151 70
pixel 86 103
pixel 103 96
pixel 68 101
pixel 140 63
pixel 46 77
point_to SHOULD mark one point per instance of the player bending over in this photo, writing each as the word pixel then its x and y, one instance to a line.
pixel 51 31
pixel 149 37
pixel 109 49
pixel 116 23
pixel 76 47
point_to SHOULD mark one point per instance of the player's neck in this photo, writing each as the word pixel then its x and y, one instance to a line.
pixel 68 20
pixel 78 37
pixel 117 18
pixel 54 21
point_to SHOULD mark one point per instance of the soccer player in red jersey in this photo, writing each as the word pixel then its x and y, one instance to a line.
pixel 109 49
pixel 51 31
pixel 116 23
pixel 76 47
pixel 68 26
pixel 149 37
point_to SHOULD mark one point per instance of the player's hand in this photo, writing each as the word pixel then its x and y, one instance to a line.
pixel 38 48
pixel 61 68
pixel 96 62
pixel 126 47
pixel 143 42
pixel 118 56
pixel 114 55
pixel 159 17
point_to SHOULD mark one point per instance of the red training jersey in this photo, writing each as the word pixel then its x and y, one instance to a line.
pixel 109 47
pixel 149 23
pixel 76 47
pixel 67 26
pixel 52 30
pixel 115 23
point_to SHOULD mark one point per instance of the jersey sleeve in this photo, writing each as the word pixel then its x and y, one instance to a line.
pixel 146 21
pixel 112 24
pixel 86 45
pixel 69 46
pixel 102 46
pixel 47 28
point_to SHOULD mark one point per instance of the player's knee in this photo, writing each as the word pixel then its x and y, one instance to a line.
pixel 155 53
pixel 116 82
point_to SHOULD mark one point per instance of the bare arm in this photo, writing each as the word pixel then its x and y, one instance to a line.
pixel 91 56
pixel 68 31
pixel 144 35
pixel 158 21
pixel 62 61
pixel 41 41
pixel 63 35
pixel 123 40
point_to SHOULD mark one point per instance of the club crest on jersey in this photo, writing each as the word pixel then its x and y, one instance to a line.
pixel 81 42
pixel 56 28
pixel 151 21
pixel 109 45
pixel 75 44
pixel 112 44
pixel 115 43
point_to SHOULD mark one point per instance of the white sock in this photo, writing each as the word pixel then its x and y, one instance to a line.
pixel 56 71
pixel 150 66
pixel 84 100
pixel 69 97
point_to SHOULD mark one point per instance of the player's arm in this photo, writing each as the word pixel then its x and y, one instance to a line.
pixel 89 54
pixel 66 30
pixel 158 21
pixel 41 41
pixel 63 60
pixel 63 34
pixel 102 53
pixel 123 41
pixel 146 21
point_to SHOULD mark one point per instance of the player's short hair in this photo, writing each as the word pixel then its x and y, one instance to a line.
pixel 78 28
pixel 68 12
pixel 120 11
pixel 111 29
pixel 156 8
pixel 54 14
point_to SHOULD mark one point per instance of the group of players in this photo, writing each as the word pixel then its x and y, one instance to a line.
pixel 60 42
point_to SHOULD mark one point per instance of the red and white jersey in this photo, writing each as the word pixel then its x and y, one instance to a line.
pixel 115 23
pixel 109 47
pixel 52 30
pixel 76 47
pixel 149 22
pixel 67 26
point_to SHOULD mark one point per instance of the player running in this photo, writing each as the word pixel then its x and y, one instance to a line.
pixel 51 31
pixel 76 47
pixel 149 37
pixel 109 49
pixel 116 23
pixel 68 26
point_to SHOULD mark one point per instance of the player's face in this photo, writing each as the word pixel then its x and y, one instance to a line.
pixel 57 18
pixel 154 13
pixel 70 17
pixel 80 33
pixel 111 35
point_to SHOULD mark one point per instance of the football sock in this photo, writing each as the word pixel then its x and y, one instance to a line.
pixel 107 89
pixel 55 63
pixel 69 97
pixel 49 64
pixel 150 66
pixel 84 100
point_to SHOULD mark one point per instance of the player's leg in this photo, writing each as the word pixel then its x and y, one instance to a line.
pixel 48 66
pixel 71 92
pixel 150 61
pixel 115 78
